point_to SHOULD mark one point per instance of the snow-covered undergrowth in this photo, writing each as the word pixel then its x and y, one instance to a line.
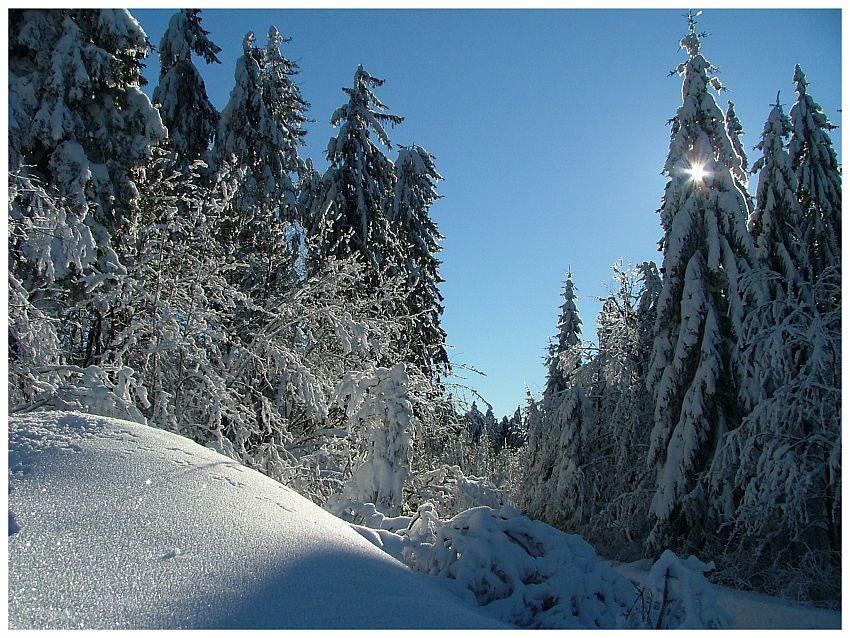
pixel 451 491
pixel 529 574
pixel 114 524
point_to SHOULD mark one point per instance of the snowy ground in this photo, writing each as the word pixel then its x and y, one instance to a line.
pixel 124 526
pixel 117 525
pixel 752 610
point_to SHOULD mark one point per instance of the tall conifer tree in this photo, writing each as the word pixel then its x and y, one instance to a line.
pixel 257 156
pixel 564 356
pixel 777 476
pixel 181 95
pixel 79 121
pixel 739 168
pixel 553 426
pixel 415 191
pixel 80 126
pixel 777 222
pixel 818 182
pixel 706 248
pixel 360 180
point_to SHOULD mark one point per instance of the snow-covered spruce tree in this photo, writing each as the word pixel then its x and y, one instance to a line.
pixel 264 359
pixel 786 455
pixel 354 221
pixel 564 356
pixel 778 473
pixel 594 460
pixel 777 223
pixel 544 431
pixel 181 95
pixel 584 461
pixel 818 184
pixel 707 250
pixel 415 191
pixel 256 151
pixel 80 127
pixel 739 168
pixel 81 123
pixel 360 182
pixel 538 463
pixel 569 495
pixel 416 246
pixel 534 455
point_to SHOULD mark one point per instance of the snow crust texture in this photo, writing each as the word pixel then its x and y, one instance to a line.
pixel 122 526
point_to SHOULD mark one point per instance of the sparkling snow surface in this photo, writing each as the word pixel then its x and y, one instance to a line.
pixel 118 525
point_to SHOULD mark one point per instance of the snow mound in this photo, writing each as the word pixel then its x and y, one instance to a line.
pixel 115 524
pixel 529 574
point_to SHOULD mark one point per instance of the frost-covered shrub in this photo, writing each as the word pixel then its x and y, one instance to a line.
pixel 680 597
pixel 104 391
pixel 529 574
pixel 450 491
pixel 32 345
pixel 379 410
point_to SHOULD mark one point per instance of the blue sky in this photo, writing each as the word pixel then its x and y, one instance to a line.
pixel 550 128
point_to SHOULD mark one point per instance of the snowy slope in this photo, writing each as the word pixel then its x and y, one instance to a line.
pixel 117 525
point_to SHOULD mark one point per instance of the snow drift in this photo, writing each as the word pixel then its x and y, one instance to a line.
pixel 117 525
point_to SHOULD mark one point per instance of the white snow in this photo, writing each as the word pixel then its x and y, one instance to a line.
pixel 114 524
pixel 752 610
pixel 118 525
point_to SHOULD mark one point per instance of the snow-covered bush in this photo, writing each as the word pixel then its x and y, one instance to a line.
pixel 450 491
pixel 526 572
pixel 104 391
pixel 680 597
pixel 379 409
pixel 529 574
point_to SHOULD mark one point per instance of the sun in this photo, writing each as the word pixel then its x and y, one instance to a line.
pixel 697 172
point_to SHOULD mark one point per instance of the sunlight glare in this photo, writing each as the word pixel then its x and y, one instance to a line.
pixel 697 172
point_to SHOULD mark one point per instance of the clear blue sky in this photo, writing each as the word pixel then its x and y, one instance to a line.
pixel 550 128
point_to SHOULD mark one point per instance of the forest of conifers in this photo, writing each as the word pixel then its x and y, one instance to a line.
pixel 188 269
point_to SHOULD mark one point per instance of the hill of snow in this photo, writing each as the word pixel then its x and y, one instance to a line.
pixel 116 525
pixel 119 525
